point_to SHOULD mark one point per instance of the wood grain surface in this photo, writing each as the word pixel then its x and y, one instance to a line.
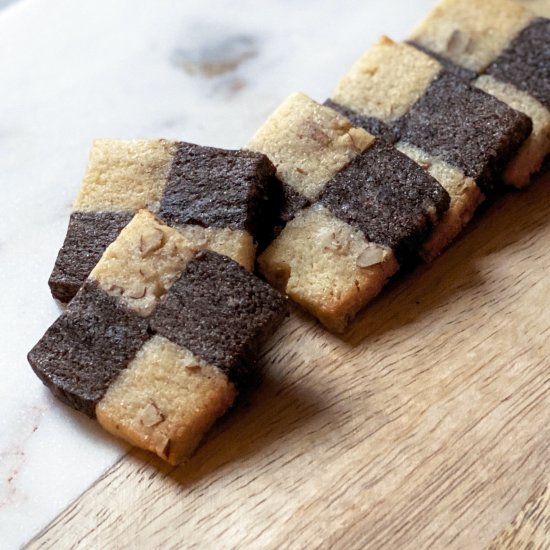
pixel 427 425
pixel 530 529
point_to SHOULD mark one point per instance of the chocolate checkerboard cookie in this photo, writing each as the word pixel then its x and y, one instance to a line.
pixel 505 49
pixel 355 209
pixel 216 198
pixel 158 339
pixel 461 135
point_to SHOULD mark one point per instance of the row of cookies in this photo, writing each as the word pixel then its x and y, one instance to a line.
pixel 466 100
pixel 160 335
pixel 412 140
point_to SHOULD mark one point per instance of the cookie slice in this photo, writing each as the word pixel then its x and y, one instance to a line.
pixel 216 198
pixel 505 49
pixel 461 135
pixel 158 339
pixel 358 208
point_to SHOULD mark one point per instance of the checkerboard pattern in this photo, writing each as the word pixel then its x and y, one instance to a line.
pixel 504 49
pixel 461 135
pixel 356 208
pixel 159 338
pixel 216 197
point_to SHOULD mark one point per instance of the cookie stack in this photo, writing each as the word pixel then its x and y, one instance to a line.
pixel 165 314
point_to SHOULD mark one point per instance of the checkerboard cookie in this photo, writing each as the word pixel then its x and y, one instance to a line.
pixel 461 135
pixel 356 207
pixel 505 49
pixel 158 339
pixel 215 197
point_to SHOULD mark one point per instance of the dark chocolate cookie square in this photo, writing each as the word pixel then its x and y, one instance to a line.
pixel 215 188
pixel 88 235
pixel 465 127
pixel 219 312
pixel 388 197
pixel 526 62
pixel 87 347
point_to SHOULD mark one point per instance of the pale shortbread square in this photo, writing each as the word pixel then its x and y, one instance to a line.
pixel 471 33
pixel 238 244
pixel 387 80
pixel 165 400
pixel 327 266
pixel 143 262
pixel 125 175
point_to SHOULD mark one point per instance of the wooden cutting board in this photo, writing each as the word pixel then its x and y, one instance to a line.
pixel 428 424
